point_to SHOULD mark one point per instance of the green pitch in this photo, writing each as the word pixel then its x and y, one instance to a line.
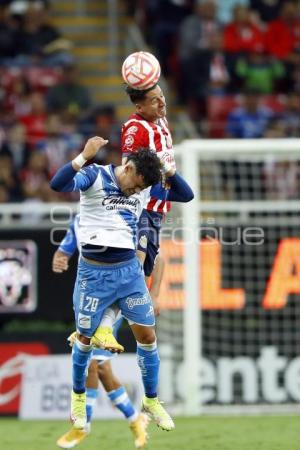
pixel 203 433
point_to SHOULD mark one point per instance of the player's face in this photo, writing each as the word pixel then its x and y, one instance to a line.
pixel 153 107
pixel 129 182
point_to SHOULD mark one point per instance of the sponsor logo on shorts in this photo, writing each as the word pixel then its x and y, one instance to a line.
pixel 138 301
pixel 84 321
pixel 150 312
pixel 83 284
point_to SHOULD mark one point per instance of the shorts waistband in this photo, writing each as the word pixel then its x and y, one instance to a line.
pixel 113 266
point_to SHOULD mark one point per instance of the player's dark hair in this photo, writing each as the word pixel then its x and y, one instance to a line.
pixel 137 95
pixel 147 164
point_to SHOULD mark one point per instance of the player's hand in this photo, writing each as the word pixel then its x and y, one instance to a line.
pixel 156 304
pixel 168 169
pixel 60 262
pixel 92 147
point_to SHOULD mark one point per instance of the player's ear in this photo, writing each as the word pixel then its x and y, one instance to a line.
pixel 127 168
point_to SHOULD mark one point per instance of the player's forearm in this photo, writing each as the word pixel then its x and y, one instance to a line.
pixel 63 180
pixel 179 191
pixel 157 276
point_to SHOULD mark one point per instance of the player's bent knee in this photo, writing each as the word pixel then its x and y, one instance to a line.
pixel 144 335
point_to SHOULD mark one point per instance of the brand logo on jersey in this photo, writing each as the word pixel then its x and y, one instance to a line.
pixel 119 202
pixel 143 241
pixel 131 130
pixel 138 301
pixel 129 141
pixel 84 321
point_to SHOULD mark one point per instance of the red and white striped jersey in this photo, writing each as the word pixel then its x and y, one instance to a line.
pixel 137 133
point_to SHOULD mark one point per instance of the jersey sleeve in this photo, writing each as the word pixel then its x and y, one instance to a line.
pixel 179 190
pixel 134 136
pixel 67 179
pixel 69 243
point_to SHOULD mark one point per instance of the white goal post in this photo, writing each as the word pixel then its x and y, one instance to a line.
pixel 253 187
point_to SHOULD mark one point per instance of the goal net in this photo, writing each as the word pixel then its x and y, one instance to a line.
pixel 234 250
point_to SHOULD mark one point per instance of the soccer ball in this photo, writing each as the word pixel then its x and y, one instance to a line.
pixel 141 70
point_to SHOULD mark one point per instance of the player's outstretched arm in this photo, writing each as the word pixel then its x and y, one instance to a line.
pixel 63 180
pixel 67 247
pixel 178 191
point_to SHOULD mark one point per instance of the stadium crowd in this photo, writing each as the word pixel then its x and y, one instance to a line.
pixel 45 112
pixel 212 51
pixel 235 66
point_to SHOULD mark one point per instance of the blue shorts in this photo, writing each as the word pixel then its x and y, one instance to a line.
pixel 101 355
pixel 148 237
pixel 98 287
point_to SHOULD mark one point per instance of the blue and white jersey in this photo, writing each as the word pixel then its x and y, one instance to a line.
pixel 70 242
pixel 107 217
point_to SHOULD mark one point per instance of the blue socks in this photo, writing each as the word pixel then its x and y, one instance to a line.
pixel 120 399
pixel 148 361
pixel 81 355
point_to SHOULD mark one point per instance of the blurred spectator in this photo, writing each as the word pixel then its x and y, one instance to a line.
pixel 267 9
pixel 211 71
pixel 35 178
pixel 15 146
pixel 68 96
pixel 197 29
pixel 291 115
pixel 102 121
pixel 9 179
pixel 241 35
pixel 275 129
pixel 18 100
pixel 163 19
pixel 295 79
pixel 283 34
pixel 281 179
pixel 249 120
pixel 196 34
pixel 219 75
pixel 57 145
pixel 225 9
pixel 8 33
pixel 39 42
pixel 260 72
pixel 4 193
pixel 35 120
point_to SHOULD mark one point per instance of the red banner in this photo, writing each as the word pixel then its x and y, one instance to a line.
pixel 12 358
